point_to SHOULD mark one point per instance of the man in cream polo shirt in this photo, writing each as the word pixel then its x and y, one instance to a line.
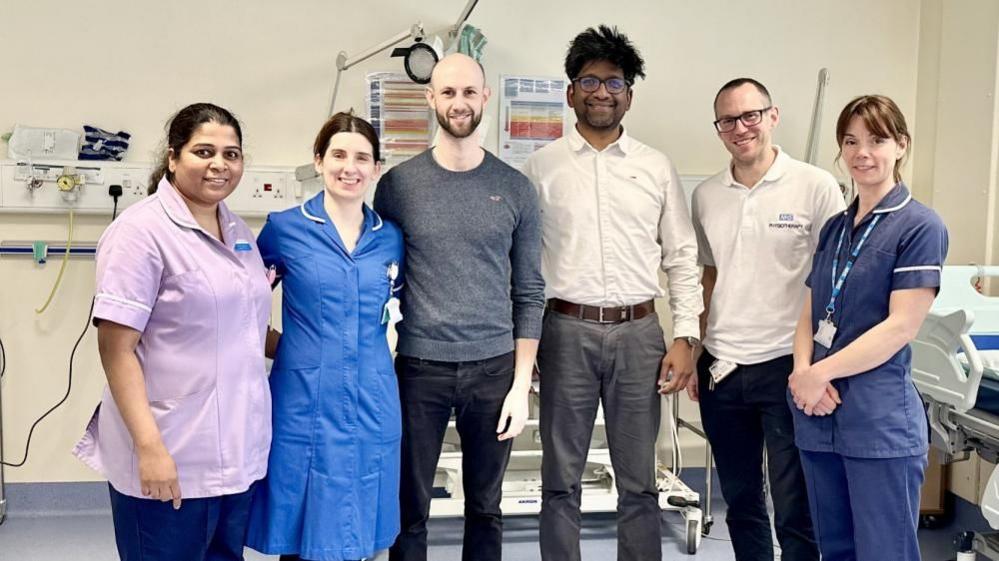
pixel 757 224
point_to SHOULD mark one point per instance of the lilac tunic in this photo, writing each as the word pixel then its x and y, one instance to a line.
pixel 202 306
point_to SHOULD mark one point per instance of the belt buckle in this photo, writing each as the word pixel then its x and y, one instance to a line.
pixel 600 314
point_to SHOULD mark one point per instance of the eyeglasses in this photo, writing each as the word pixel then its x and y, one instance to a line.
pixel 590 84
pixel 749 119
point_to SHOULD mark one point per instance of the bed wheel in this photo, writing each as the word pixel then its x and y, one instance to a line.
pixel 692 537
pixel 931 521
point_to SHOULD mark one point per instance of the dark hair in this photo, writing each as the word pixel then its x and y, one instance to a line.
pixel 346 122
pixel 732 84
pixel 181 127
pixel 604 43
pixel 881 117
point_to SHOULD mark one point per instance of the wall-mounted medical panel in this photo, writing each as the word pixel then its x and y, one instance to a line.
pixel 54 187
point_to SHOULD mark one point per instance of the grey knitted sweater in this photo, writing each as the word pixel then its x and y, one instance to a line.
pixel 473 257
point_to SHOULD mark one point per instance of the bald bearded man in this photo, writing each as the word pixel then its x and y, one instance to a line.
pixel 472 310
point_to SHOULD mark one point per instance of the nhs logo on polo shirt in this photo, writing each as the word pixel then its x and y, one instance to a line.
pixel 785 221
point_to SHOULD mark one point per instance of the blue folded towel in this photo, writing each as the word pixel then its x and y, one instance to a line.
pixel 99 144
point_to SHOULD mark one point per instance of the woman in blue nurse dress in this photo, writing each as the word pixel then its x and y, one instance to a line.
pixel 332 486
pixel 859 423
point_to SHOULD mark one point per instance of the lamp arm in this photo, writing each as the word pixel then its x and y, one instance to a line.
pixel 343 62
pixel 467 11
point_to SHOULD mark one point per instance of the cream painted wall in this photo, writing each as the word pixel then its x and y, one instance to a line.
pixel 129 65
pixel 966 139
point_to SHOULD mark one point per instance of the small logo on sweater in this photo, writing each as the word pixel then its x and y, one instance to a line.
pixel 495 198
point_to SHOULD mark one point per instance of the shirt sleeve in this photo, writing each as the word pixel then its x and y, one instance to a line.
pixel 830 203
pixel 267 244
pixel 921 254
pixel 527 285
pixel 822 240
pixel 129 272
pixel 679 259
pixel 704 254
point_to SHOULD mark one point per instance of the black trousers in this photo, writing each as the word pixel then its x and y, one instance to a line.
pixel 429 390
pixel 584 364
pixel 743 413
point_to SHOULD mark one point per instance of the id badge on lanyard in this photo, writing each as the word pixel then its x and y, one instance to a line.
pixel 826 331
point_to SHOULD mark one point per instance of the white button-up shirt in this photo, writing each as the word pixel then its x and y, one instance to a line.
pixel 761 240
pixel 610 220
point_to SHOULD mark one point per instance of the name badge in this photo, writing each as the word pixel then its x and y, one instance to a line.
pixel 392 314
pixel 242 245
pixel 824 335
pixel 720 369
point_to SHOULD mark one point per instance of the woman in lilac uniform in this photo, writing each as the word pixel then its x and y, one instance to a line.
pixel 181 309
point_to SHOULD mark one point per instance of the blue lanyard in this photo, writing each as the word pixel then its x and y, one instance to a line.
pixel 838 284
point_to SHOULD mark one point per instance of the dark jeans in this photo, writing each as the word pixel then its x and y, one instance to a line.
pixel 209 529
pixel 429 390
pixel 743 413
pixel 583 363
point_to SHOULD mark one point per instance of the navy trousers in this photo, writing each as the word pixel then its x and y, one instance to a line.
pixel 864 509
pixel 209 529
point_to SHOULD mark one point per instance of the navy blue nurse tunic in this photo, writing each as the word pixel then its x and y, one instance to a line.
pixel 332 487
pixel 882 415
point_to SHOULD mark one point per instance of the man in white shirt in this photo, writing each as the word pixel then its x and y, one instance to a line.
pixel 613 213
pixel 757 225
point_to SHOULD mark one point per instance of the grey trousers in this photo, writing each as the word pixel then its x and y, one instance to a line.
pixel 581 364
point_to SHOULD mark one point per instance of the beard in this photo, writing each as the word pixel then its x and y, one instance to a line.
pixel 459 131
pixel 607 120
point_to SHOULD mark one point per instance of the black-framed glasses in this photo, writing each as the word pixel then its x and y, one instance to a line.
pixel 749 119
pixel 590 84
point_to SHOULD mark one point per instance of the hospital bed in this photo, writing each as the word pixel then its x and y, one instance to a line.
pixel 955 366
pixel 522 481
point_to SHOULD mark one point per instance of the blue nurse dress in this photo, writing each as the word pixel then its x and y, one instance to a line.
pixel 332 487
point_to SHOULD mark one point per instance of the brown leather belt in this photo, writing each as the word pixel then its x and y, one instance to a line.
pixel 597 314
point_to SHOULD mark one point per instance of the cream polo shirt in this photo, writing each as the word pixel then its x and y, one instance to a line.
pixel 761 240
pixel 610 220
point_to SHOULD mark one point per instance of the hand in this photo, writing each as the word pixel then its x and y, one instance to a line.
pixel 515 412
pixel 158 475
pixel 811 392
pixel 692 390
pixel 829 402
pixel 679 361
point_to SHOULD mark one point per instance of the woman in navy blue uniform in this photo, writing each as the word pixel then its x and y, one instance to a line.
pixel 332 486
pixel 859 422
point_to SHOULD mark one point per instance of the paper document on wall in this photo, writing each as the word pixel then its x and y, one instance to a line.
pixel 397 108
pixel 533 113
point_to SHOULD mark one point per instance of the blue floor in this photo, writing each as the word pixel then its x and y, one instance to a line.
pixel 71 521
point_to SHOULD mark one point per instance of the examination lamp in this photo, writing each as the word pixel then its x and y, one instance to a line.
pixel 418 59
